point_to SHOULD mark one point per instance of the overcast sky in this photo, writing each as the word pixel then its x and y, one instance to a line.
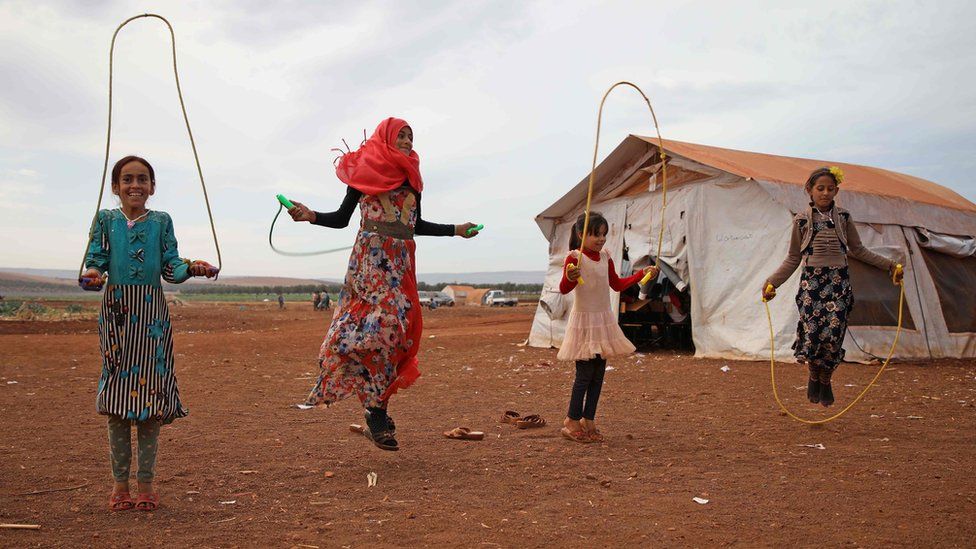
pixel 502 97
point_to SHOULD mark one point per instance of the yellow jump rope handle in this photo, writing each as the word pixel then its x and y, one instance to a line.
pixel 580 279
pixel 770 290
pixel 646 279
pixel 897 274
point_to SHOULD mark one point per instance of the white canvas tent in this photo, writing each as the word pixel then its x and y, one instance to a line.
pixel 727 227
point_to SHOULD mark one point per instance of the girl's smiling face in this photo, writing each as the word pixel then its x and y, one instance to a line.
pixel 823 191
pixel 404 140
pixel 135 185
pixel 596 240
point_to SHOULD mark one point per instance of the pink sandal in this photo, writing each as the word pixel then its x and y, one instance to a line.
pixel 120 502
pixel 596 436
pixel 147 502
pixel 575 436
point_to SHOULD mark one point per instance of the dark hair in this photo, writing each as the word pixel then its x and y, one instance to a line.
pixel 597 221
pixel 117 169
pixel 817 174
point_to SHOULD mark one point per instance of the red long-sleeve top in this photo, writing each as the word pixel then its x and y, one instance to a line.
pixel 618 284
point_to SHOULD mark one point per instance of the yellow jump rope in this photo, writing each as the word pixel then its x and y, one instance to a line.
pixel 664 185
pixel 896 277
pixel 108 139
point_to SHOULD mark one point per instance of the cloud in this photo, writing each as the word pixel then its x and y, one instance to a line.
pixel 503 99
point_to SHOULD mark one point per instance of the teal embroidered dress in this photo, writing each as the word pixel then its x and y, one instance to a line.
pixel 135 336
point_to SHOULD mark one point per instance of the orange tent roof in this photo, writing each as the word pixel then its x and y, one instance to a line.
pixel 784 169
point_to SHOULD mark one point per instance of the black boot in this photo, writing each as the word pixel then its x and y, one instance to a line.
pixel 378 429
pixel 813 390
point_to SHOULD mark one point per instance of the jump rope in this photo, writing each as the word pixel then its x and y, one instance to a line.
pixel 285 204
pixel 95 284
pixel 896 278
pixel 898 271
pixel 589 191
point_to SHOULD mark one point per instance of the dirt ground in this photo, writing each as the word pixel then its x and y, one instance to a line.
pixel 248 469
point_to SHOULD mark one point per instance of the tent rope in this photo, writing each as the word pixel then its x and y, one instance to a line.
pixel 772 364
pixel 589 191
pixel 108 138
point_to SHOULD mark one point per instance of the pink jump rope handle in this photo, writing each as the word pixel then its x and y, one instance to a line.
pixel 212 271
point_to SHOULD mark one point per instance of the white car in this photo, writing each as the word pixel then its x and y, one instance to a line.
pixel 497 298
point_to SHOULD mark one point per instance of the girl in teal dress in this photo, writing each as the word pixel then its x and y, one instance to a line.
pixel 131 247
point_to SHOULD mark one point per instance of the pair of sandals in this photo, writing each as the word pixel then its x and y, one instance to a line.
pixel 582 436
pixel 532 421
pixel 143 502
pixel 384 439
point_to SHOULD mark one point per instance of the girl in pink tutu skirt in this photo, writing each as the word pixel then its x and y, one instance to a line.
pixel 592 334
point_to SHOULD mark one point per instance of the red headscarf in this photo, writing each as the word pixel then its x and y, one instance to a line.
pixel 378 166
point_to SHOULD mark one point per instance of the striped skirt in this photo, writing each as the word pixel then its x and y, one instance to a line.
pixel 136 341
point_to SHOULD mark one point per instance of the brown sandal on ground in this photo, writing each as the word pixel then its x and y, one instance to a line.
pixel 147 502
pixel 596 436
pixel 575 436
pixel 120 502
pixel 511 416
pixel 464 433
pixel 530 422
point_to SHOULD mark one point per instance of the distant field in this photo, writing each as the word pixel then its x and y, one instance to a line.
pixel 195 297
pixel 224 298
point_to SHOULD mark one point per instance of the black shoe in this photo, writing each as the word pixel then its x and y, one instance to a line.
pixel 813 390
pixel 378 430
pixel 826 395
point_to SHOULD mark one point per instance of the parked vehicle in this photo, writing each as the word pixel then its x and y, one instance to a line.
pixel 442 299
pixel 435 299
pixel 497 298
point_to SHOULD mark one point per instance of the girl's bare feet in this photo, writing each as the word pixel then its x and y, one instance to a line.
pixel 120 488
pixel 147 499
pixel 120 499
pixel 145 487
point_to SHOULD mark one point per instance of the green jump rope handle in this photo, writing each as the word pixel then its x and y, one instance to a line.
pixel 477 227
pixel 284 201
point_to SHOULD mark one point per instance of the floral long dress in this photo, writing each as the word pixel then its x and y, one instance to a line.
pixel 371 347
pixel 824 300
pixel 134 331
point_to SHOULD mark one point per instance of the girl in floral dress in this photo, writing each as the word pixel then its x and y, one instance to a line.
pixel 132 247
pixel 822 237
pixel 371 347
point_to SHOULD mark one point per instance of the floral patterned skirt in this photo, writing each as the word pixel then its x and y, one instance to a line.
pixel 825 300
pixel 371 347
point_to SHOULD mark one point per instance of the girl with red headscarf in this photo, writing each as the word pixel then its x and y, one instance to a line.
pixel 371 347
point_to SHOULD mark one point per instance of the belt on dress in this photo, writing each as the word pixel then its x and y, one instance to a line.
pixel 393 229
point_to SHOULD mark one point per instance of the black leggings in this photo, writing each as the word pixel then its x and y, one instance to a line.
pixel 589 382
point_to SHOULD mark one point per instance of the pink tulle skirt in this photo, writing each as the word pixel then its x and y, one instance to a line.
pixel 589 334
